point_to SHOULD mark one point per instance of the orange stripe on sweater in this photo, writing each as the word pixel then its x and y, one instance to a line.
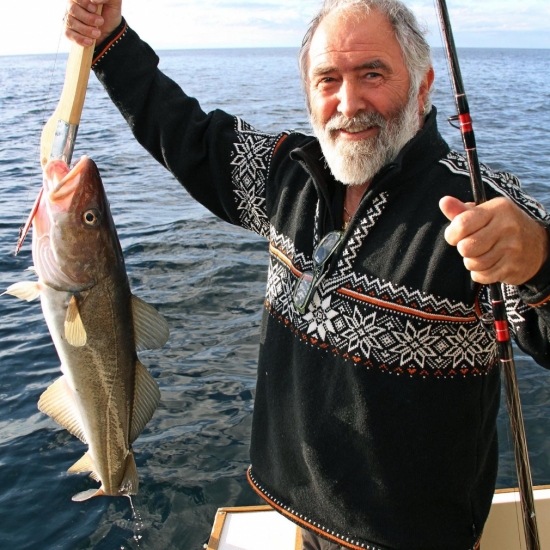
pixel 311 527
pixel 376 301
pixel 109 44
pixel 403 309
pixel 276 252
pixel 279 143
pixel 300 521
pixel 545 301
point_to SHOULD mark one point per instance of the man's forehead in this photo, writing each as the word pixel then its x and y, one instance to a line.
pixel 369 36
pixel 326 67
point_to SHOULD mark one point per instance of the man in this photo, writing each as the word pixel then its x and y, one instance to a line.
pixel 378 385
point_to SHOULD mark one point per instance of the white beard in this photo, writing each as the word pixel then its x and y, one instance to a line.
pixel 357 162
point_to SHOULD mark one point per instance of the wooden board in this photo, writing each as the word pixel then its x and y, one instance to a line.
pixel 504 527
pixel 262 528
pixel 253 528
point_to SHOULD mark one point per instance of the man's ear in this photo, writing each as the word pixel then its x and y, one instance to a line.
pixel 424 90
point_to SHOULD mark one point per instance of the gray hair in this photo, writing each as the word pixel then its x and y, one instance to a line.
pixel 409 34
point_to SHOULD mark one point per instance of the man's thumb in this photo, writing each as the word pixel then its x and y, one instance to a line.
pixel 452 207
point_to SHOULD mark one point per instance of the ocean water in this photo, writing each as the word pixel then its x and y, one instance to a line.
pixel 208 280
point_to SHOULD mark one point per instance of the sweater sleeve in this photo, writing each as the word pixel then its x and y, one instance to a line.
pixel 223 162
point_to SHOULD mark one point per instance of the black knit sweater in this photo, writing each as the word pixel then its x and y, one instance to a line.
pixel 375 412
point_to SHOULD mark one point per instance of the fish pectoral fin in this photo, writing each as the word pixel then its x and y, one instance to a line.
pixel 150 328
pixel 85 465
pixel 25 290
pixel 58 402
pixel 75 333
pixel 85 495
pixel 130 482
pixel 146 399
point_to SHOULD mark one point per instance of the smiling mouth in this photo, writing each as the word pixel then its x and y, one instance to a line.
pixel 355 133
pixel 356 130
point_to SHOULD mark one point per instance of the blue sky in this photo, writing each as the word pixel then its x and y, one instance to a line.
pixel 35 26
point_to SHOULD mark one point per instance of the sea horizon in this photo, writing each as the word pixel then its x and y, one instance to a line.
pixel 231 48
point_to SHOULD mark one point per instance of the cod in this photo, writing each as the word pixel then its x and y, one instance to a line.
pixel 105 396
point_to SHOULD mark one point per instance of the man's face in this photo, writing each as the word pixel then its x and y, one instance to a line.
pixel 356 71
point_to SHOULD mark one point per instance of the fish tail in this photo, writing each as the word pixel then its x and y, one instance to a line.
pixel 85 495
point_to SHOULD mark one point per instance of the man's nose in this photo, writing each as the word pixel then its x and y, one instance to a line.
pixel 350 99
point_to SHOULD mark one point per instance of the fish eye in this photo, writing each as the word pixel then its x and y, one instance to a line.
pixel 91 217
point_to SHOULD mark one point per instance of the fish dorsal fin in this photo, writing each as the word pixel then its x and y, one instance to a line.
pixel 58 402
pixel 25 290
pixel 75 333
pixel 130 482
pixel 85 495
pixel 84 465
pixel 146 399
pixel 150 327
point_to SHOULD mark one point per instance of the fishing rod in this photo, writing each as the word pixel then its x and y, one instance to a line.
pixel 502 331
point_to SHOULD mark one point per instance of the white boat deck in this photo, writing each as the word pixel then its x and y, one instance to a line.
pixel 253 528
pixel 261 528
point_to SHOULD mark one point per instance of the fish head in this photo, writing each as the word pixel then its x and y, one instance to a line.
pixel 75 243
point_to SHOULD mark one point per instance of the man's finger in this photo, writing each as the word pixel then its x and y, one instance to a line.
pixel 83 41
pixel 82 15
pixel 467 220
pixel 480 243
pixel 81 28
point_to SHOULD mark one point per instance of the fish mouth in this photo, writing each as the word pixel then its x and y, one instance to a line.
pixel 61 182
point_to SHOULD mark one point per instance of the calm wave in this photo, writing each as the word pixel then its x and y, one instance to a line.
pixel 208 280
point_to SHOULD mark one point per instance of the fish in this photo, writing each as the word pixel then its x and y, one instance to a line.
pixel 105 396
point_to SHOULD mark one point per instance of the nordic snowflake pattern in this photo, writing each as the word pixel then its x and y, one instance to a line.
pixel 362 333
pixel 393 335
pixel 320 317
pixel 503 183
pixel 516 308
pixel 251 158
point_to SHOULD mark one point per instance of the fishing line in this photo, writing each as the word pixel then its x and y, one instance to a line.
pixel 519 521
pixel 36 154
pixel 48 94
